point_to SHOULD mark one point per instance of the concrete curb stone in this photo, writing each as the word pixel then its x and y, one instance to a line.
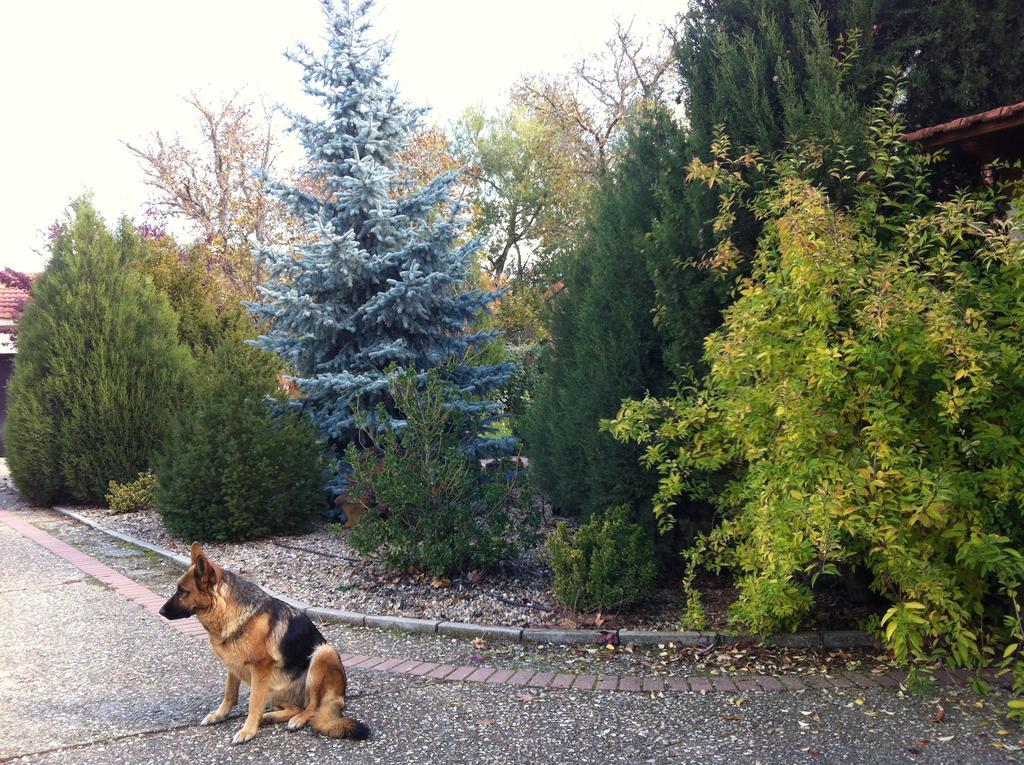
pixel 467 630
pixel 399 623
pixel 585 637
pixel 331 615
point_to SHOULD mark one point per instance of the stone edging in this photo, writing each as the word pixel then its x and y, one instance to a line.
pixel 653 684
pixel 817 639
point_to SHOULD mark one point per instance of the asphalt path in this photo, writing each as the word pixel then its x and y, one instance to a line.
pixel 86 676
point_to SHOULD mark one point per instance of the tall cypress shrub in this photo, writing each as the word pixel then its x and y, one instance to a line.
pixel 955 57
pixel 100 373
pixel 765 71
pixel 689 298
pixel 604 346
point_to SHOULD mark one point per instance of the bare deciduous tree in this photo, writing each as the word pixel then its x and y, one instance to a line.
pixel 217 186
pixel 590 102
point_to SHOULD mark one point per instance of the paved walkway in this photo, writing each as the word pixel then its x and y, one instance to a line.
pixel 86 675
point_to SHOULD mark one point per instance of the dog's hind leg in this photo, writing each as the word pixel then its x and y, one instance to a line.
pixel 230 699
pixel 284 714
pixel 320 668
pixel 326 683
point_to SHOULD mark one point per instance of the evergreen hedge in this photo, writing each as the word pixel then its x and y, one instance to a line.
pixel 604 345
pixel 235 468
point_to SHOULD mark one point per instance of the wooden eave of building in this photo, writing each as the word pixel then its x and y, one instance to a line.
pixel 987 136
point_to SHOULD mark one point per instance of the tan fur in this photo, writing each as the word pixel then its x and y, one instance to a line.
pixel 247 641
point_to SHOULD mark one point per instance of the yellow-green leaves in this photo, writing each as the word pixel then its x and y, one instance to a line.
pixel 862 406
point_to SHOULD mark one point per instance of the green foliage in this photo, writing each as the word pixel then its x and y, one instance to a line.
pixel 689 296
pixel 521 183
pixel 100 372
pixel 205 314
pixel 767 71
pixel 236 468
pixel 604 346
pixel 518 393
pixel 181 279
pixel 951 69
pixel 768 74
pixel 140 494
pixel 866 399
pixel 430 506
pixel 31 439
pixel 518 312
pixel 608 563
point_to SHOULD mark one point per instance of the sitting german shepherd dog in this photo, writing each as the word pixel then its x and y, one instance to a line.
pixel 269 645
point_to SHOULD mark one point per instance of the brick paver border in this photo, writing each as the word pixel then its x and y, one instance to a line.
pixel 653 684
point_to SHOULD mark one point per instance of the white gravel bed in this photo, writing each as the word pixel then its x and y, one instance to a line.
pixel 320 568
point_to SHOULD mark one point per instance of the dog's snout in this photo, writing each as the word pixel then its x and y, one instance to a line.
pixel 173 609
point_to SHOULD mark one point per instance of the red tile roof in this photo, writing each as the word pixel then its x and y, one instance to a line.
pixel 993 119
pixel 12 302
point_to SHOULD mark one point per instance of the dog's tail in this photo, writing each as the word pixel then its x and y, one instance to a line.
pixel 329 721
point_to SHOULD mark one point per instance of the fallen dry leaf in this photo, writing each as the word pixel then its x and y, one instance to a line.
pixel 609 637
pixel 938 716
pixel 485 721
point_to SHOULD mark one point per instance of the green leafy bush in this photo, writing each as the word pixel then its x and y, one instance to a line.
pixel 207 311
pixel 140 494
pixel 608 563
pixel 236 468
pixel 100 373
pixel 865 399
pixel 430 506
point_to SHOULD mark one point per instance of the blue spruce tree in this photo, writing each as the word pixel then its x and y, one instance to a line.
pixel 381 281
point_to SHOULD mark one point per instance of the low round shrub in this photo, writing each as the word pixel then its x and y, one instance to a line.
pixel 240 466
pixel 140 494
pixel 608 563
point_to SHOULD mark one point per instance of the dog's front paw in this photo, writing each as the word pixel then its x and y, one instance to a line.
pixel 244 734
pixel 216 716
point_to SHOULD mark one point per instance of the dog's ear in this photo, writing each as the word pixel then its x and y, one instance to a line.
pixel 206 572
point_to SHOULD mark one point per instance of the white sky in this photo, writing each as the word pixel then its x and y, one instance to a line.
pixel 80 77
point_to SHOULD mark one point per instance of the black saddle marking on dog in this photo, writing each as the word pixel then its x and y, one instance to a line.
pixel 300 639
